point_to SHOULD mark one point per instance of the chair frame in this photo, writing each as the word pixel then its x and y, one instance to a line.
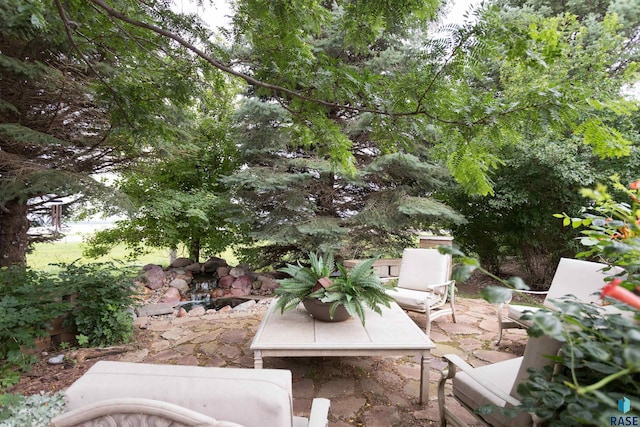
pixel 136 411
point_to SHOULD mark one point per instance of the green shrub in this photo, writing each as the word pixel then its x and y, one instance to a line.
pixel 599 364
pixel 105 295
pixel 28 300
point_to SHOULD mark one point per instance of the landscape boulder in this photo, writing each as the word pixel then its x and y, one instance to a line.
pixel 171 296
pixel 180 263
pixel 153 277
pixel 212 264
pixel 180 284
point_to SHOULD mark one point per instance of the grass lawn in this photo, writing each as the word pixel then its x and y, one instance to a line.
pixel 45 254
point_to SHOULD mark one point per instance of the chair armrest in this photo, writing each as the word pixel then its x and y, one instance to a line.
pixel 384 280
pixel 456 362
pixel 433 287
pixel 501 305
pixel 524 291
pixel 319 416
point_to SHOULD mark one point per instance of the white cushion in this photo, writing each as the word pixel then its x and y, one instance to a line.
pixel 501 376
pixel 413 300
pixel 515 312
pixel 220 393
pixel 422 267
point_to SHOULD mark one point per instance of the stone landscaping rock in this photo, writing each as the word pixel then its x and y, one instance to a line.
pixel 244 306
pixel 241 286
pixel 212 264
pixel 171 296
pixel 180 284
pixel 237 272
pixel 154 309
pixel 196 267
pixel 225 282
pixel 180 263
pixel 197 311
pixel 153 277
pixel 267 283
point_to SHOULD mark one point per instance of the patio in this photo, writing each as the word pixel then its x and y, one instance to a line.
pixel 364 391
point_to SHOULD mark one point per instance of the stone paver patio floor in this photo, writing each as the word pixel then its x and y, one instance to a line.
pixel 364 391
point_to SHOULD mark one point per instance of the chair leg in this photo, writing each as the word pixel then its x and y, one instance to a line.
pixel 500 329
pixel 427 328
pixel 452 301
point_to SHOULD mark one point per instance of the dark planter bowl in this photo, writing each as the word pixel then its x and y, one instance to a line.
pixel 320 310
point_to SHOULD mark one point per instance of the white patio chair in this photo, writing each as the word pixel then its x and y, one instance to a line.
pixel 584 279
pixel 494 384
pixel 248 397
pixel 425 285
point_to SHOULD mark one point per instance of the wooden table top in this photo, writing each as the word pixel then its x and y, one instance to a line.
pixel 297 330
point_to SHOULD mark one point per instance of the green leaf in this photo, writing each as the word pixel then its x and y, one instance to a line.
pixel 462 273
pixel 517 283
pixel 496 294
pixel 545 323
pixel 632 357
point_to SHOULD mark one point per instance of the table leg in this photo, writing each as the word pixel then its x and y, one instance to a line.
pixel 257 359
pixel 425 367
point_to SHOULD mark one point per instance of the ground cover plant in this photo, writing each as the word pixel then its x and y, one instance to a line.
pixel 34 410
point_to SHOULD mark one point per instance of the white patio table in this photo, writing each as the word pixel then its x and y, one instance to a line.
pixel 295 333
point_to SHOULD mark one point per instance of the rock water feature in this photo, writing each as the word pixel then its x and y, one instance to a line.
pixel 189 287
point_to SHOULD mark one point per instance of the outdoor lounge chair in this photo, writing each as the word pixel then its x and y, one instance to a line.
pixel 425 285
pixel 583 279
pixel 244 397
pixel 492 384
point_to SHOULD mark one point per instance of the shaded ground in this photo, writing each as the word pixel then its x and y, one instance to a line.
pixel 51 378
pixel 364 391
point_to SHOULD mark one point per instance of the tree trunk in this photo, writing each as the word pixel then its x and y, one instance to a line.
pixel 13 233
pixel 194 249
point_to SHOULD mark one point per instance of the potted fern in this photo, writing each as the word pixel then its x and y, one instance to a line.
pixel 332 297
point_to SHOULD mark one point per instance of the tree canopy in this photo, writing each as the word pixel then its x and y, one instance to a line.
pixel 361 97
pixel 81 95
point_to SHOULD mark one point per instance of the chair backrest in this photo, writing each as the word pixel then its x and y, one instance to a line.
pixel 535 357
pixel 421 267
pixel 584 279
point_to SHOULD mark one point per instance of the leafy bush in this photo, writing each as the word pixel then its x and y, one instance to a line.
pixel 104 296
pixel 35 410
pixel 28 300
pixel 599 362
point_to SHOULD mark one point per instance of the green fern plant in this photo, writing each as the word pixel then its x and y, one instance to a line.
pixel 294 289
pixel 354 289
